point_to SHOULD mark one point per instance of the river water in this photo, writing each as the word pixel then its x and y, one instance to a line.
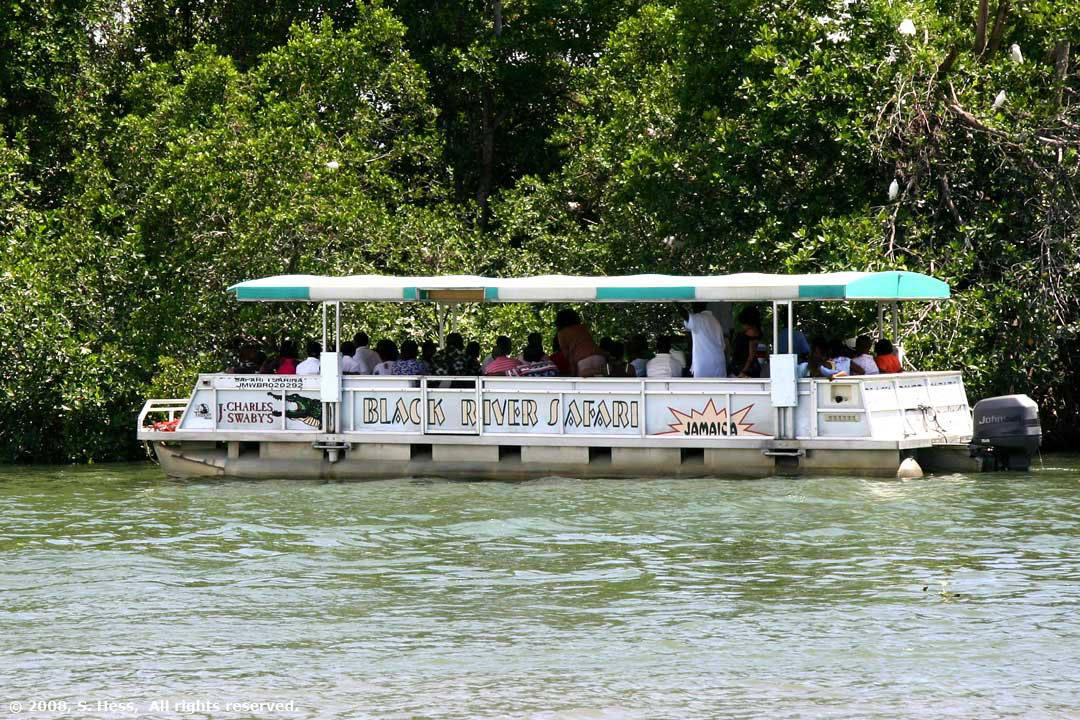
pixel 824 597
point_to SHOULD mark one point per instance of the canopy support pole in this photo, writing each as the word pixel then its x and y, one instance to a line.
pixel 896 331
pixel 791 326
pixel 880 318
pixel 783 373
pixel 337 327
pixel 323 305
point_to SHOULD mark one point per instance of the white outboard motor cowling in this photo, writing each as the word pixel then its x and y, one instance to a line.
pixel 1007 432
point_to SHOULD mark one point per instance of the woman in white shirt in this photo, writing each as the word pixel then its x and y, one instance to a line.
pixel 863 362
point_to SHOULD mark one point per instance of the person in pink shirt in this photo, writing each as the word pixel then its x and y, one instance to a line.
pixel 286 362
pixel 501 362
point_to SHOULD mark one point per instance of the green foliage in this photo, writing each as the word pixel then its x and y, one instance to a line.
pixel 152 154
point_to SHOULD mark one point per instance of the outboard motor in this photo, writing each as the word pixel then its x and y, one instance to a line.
pixel 1007 432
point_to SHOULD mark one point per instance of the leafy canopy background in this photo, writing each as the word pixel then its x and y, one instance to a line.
pixel 154 152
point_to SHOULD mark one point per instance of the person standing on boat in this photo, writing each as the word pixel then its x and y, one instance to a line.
pixel 558 357
pixel 575 340
pixel 310 366
pixel 707 338
pixel 365 358
pixel 744 357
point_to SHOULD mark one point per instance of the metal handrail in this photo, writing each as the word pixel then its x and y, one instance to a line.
pixel 173 406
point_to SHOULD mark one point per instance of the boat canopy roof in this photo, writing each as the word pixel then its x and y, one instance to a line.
pixel 741 287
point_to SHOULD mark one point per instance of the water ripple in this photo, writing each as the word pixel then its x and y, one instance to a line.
pixel 551 599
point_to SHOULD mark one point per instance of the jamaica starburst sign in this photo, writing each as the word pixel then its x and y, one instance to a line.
pixel 712 422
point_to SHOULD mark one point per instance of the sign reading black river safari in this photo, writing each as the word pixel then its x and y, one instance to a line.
pixel 274 403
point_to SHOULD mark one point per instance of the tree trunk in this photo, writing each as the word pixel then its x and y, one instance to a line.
pixel 487 155
pixel 999 26
pixel 980 26
pixel 488 124
pixel 1061 67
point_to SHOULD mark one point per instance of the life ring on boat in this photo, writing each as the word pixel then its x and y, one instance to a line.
pixel 166 425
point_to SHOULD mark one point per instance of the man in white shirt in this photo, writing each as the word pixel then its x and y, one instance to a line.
pixel 707 335
pixel 366 358
pixel 664 365
pixel 310 366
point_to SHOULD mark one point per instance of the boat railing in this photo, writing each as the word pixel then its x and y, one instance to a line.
pixel 903 406
pixel 171 410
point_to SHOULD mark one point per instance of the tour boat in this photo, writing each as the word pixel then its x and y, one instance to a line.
pixel 336 426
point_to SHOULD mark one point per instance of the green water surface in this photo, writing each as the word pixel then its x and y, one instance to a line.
pixel 953 596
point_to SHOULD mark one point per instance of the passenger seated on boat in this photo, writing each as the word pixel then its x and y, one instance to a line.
pixel 348 362
pixel 664 364
pixel 744 361
pixel 501 362
pixel 452 360
pixel 637 350
pixel 886 358
pixel 840 356
pixel 427 353
pixel 818 364
pixel 388 356
pixel 707 338
pixel 408 363
pixel 536 341
pixel 247 361
pixel 559 357
pixel 534 365
pixel 575 340
pixel 472 356
pixel 863 362
pixel 285 362
pixel 310 365
pixel 616 357
pixel 366 359
pixel 502 343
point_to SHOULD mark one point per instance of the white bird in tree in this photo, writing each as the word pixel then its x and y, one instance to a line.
pixel 1016 55
pixel 998 101
pixel 907 27
pixel 894 190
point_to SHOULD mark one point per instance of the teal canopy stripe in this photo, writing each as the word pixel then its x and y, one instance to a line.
pixel 630 294
pixel 889 285
pixel 272 293
pixel 898 285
